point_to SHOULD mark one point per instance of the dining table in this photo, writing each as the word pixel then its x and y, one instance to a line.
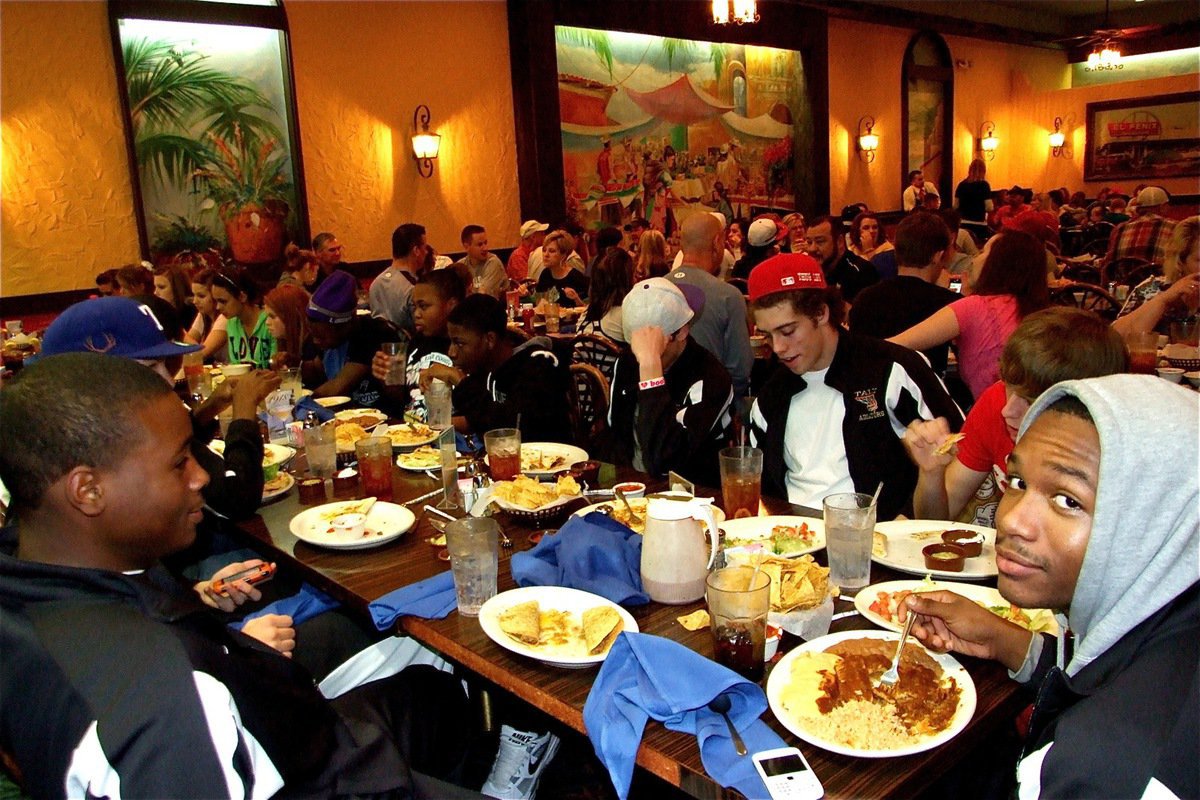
pixel 357 577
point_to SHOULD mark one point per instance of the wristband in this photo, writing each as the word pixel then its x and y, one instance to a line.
pixel 653 383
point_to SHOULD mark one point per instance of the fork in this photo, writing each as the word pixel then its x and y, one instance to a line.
pixel 632 516
pixel 490 511
pixel 889 679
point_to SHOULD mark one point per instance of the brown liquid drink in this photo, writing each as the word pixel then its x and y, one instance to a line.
pixel 504 466
pixel 741 496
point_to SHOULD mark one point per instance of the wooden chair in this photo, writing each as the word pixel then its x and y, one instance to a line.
pixel 1087 297
pixel 1129 270
pixel 1080 273
pixel 588 398
pixel 597 351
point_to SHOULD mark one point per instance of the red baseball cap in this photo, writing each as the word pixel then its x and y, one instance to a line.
pixel 785 272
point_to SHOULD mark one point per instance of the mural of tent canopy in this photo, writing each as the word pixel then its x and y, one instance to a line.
pixel 680 103
pixel 764 126
pixel 583 110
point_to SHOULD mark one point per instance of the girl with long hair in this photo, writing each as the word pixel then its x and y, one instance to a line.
pixel 652 256
pixel 171 284
pixel 209 326
pixel 288 323
pixel 867 237
pixel 238 298
pixel 611 281
pixel 973 199
pixel 1011 285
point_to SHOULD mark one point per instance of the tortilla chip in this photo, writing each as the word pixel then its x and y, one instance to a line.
pixel 879 544
pixel 600 627
pixel 951 440
pixel 696 620
pixel 523 622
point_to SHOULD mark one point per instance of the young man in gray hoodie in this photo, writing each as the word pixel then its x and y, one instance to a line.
pixel 1094 527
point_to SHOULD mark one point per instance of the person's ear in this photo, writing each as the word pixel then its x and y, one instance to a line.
pixel 85 491
pixel 450 304
pixel 491 338
pixel 823 317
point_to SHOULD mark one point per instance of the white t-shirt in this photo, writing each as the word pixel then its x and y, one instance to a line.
pixel 726 263
pixel 814 453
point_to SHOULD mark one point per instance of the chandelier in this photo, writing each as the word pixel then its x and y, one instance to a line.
pixel 736 11
pixel 1106 55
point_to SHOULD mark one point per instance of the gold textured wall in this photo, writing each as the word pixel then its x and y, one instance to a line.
pixel 67 201
pixel 360 70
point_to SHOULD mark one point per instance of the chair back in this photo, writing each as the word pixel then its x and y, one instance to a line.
pixel 588 398
pixel 1124 270
pixel 597 351
pixel 1087 297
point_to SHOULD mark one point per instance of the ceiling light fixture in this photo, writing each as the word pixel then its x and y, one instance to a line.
pixel 739 12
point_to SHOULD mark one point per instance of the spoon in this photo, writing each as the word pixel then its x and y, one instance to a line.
pixel 721 704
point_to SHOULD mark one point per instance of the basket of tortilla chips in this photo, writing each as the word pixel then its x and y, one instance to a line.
pixel 530 500
pixel 801 597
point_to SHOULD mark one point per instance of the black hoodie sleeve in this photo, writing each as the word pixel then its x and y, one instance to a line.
pixel 236 481
pixel 533 385
pixel 675 422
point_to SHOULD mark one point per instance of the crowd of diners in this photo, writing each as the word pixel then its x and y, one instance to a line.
pixel 867 362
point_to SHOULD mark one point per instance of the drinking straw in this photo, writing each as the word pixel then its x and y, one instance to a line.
pixel 875 497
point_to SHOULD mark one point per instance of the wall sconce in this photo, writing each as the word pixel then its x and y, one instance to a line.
pixel 868 142
pixel 425 144
pixel 988 140
pixel 738 11
pixel 1057 138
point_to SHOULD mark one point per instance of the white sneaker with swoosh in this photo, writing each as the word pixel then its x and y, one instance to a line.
pixel 519 764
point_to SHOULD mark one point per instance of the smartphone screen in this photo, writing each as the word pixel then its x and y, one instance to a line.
pixel 783 765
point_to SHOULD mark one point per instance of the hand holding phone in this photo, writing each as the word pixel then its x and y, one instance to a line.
pixel 787 775
pixel 259 573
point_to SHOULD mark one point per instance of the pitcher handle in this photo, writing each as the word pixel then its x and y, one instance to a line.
pixel 714 533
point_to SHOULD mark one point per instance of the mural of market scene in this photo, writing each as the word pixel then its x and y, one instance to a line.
pixel 662 128
pixel 208 114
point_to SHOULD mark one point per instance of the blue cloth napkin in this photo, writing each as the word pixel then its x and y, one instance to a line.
pixel 309 602
pixel 594 553
pixel 306 405
pixel 648 677
pixel 432 598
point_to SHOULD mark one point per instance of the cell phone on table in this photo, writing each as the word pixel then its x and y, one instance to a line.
pixel 256 574
pixel 787 775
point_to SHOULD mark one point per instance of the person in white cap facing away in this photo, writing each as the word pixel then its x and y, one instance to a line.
pixel 671 398
pixel 532 235
pixel 764 238
pixel 1147 236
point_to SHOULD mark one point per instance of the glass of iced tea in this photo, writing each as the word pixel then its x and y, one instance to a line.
pixel 375 466
pixel 1143 352
pixel 739 599
pixel 504 453
pixel 741 481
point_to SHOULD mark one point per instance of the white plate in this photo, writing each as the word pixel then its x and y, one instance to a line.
pixel 760 528
pixel 352 413
pixel 311 525
pixel 548 597
pixel 781 675
pixel 273 454
pixel 985 595
pixel 570 453
pixel 284 488
pixel 639 506
pixel 404 426
pixel 906 538
pixel 400 462
pixel 332 402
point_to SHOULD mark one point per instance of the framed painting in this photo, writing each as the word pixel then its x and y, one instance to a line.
pixel 1147 137
pixel 210 123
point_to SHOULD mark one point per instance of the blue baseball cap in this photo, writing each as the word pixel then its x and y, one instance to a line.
pixel 115 326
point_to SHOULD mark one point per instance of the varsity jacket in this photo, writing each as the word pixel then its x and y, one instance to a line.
pixel 531 384
pixel 680 426
pixel 1128 723
pixel 115 685
pixel 885 387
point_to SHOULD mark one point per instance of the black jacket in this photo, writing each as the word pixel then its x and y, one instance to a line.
pixel 681 426
pixel 1130 717
pixel 235 484
pixel 866 372
pixel 852 274
pixel 531 383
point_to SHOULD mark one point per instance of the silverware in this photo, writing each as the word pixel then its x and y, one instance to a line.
pixel 634 518
pixel 490 511
pixel 889 679
pixel 721 704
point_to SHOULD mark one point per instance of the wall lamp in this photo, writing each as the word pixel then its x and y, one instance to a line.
pixel 988 140
pixel 868 142
pixel 1057 138
pixel 425 144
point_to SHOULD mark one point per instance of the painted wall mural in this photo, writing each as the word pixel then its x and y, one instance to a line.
pixel 662 128
pixel 208 115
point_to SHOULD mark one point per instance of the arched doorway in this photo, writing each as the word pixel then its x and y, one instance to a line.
pixel 927 110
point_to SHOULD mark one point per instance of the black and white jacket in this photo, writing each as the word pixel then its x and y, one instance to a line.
pixel 885 387
pixel 680 426
pixel 531 385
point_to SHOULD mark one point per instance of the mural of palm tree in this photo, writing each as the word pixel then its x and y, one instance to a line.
pixel 183 114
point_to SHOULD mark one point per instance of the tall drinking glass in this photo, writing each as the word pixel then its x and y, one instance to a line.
pixel 375 466
pixel 849 528
pixel 439 414
pixel 741 481
pixel 739 599
pixel 320 450
pixel 397 353
pixel 1143 352
pixel 474 546
pixel 504 453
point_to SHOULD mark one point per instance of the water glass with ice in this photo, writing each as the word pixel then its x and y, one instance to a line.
pixel 849 530
pixel 474 546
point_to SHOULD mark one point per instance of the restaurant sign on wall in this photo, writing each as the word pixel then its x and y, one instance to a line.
pixel 208 117
pixel 662 128
pixel 1149 137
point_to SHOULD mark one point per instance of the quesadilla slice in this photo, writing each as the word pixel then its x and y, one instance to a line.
pixel 523 622
pixel 600 628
